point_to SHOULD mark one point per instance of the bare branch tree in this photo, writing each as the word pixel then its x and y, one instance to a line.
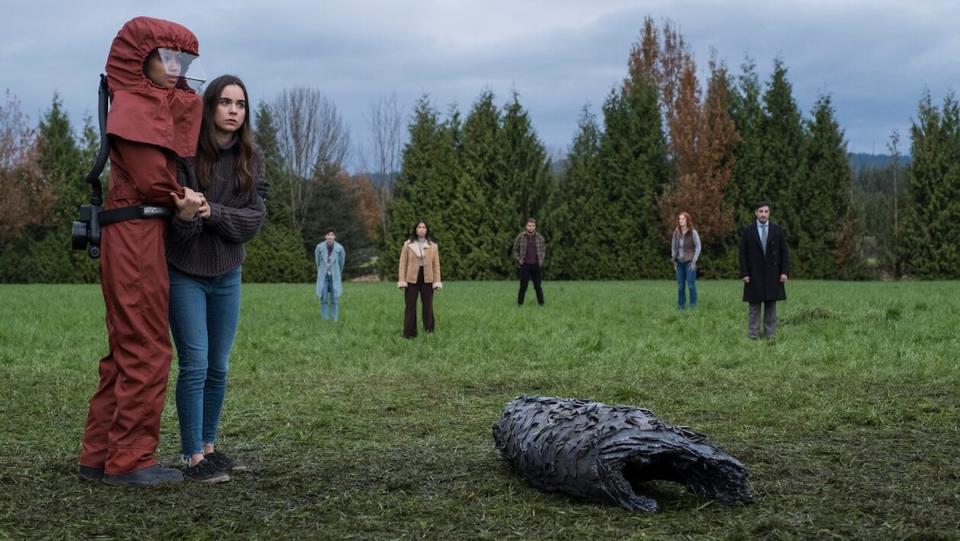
pixel 386 126
pixel 387 138
pixel 25 196
pixel 313 142
pixel 893 146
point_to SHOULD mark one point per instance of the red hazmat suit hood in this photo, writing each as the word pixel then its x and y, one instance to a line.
pixel 141 111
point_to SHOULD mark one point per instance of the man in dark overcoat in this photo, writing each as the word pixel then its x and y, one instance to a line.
pixel 764 266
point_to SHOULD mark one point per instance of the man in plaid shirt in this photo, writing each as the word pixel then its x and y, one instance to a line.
pixel 529 249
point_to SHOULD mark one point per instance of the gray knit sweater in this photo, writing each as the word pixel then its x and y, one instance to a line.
pixel 209 247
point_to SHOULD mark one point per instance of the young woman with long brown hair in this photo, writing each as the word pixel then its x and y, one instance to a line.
pixel 204 254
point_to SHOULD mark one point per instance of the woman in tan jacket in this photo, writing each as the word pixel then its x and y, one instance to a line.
pixel 419 273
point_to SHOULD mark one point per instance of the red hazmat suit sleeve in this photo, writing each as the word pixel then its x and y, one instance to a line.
pixel 148 168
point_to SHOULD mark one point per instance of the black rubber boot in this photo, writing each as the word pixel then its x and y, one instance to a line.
pixel 147 477
pixel 89 473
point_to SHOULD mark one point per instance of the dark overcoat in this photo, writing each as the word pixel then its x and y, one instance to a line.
pixel 764 270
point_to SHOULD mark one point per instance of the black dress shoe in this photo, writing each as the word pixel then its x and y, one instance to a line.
pixel 89 473
pixel 147 477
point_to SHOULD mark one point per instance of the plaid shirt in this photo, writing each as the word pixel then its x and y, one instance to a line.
pixel 520 247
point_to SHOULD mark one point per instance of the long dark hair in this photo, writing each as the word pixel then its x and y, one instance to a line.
pixel 413 233
pixel 208 151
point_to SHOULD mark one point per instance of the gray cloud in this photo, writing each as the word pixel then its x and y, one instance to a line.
pixel 874 58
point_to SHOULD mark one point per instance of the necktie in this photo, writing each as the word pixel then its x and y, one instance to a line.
pixel 763 237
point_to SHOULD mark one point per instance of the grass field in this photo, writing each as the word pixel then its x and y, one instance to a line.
pixel 849 422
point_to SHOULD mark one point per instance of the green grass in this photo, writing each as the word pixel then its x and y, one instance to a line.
pixel 849 422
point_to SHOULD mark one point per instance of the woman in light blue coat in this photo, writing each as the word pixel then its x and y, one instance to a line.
pixel 330 257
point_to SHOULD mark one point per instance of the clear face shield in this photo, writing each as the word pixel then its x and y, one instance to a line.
pixel 171 68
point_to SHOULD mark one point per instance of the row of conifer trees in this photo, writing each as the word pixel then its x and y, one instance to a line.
pixel 662 142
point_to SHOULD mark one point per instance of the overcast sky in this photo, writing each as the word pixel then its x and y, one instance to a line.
pixel 874 58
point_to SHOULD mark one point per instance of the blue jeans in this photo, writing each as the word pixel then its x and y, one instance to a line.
pixel 204 313
pixel 332 302
pixel 685 278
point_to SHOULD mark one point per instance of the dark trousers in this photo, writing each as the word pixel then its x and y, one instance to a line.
pixel 529 271
pixel 769 319
pixel 410 293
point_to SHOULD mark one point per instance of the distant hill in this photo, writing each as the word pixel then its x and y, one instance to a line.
pixel 379 180
pixel 558 167
pixel 861 160
pixel 857 160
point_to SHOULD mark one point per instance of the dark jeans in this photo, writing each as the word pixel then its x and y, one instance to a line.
pixel 410 293
pixel 529 271
pixel 686 278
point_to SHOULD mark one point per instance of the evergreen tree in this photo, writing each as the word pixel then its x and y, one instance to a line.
pixel 44 253
pixel 930 228
pixel 526 168
pixel 633 160
pixel 62 164
pixel 480 206
pixel 782 138
pixel 278 196
pixel 335 204
pixel 745 185
pixel 427 170
pixel 87 270
pixel 446 220
pixel 576 218
pixel 825 228
pixel 278 253
pixel 89 146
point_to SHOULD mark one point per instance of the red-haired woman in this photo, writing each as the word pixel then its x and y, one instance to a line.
pixel 684 252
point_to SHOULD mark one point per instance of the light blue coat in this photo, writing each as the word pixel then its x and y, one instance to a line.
pixel 339 256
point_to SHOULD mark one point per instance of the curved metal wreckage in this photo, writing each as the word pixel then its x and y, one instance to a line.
pixel 605 453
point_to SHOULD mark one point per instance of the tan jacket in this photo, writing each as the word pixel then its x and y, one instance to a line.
pixel 410 264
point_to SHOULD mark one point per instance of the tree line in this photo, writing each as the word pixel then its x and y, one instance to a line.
pixel 304 143
pixel 663 142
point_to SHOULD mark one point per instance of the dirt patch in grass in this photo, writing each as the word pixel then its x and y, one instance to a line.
pixel 806 315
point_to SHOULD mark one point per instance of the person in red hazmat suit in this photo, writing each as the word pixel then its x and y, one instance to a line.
pixel 154 119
